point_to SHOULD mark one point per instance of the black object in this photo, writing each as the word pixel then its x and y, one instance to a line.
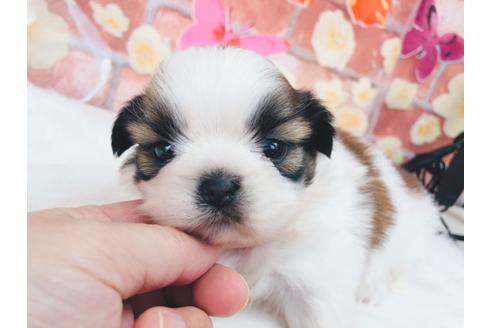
pixel 446 183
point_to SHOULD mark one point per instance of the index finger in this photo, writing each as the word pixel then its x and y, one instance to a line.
pixel 145 257
pixel 116 212
pixel 124 211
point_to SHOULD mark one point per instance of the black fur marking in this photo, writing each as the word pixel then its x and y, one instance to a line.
pixel 270 114
pixel 156 116
pixel 320 121
pixel 275 110
pixel 167 124
pixel 120 137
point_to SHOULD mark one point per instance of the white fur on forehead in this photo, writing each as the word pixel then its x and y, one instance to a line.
pixel 215 87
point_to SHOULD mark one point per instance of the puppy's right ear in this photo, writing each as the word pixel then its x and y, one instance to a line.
pixel 320 120
pixel 121 138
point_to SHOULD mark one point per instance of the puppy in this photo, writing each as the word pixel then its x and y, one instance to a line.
pixel 225 149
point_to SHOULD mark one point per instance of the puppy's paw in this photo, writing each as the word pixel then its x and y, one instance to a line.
pixel 372 292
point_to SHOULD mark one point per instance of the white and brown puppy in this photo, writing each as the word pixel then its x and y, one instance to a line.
pixel 228 151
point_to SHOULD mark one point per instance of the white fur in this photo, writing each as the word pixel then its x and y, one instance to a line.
pixel 308 260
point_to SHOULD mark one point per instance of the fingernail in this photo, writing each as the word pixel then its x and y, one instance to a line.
pixel 168 319
pixel 247 291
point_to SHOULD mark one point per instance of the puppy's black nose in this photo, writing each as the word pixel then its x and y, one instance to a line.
pixel 219 189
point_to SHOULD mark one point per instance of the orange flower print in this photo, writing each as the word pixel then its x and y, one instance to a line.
pixel 369 12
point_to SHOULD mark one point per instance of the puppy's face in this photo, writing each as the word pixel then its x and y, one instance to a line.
pixel 224 145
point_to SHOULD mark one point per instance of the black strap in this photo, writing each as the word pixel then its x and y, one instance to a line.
pixel 447 184
pixel 452 181
pixel 450 234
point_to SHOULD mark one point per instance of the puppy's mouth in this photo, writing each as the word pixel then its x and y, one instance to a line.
pixel 223 231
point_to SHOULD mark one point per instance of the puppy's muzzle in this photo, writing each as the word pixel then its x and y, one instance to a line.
pixel 219 191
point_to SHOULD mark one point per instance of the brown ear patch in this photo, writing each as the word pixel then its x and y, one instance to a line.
pixel 374 188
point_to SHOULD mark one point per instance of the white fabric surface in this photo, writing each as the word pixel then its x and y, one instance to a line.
pixel 70 163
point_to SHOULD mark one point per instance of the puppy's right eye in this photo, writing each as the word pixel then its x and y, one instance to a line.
pixel 163 151
pixel 275 150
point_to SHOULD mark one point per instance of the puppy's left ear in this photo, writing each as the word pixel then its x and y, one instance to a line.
pixel 320 120
pixel 121 139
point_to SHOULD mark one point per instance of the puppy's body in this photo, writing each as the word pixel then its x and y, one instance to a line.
pixel 313 275
pixel 229 152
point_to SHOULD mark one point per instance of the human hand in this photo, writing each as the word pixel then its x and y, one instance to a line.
pixel 94 266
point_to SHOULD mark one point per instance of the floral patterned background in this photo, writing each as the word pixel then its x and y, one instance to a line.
pixel 348 51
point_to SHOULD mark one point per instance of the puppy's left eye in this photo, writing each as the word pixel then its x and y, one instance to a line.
pixel 275 149
pixel 163 151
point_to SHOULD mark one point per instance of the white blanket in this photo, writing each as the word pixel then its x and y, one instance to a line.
pixel 70 163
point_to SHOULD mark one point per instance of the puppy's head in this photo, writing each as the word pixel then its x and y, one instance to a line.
pixel 224 145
